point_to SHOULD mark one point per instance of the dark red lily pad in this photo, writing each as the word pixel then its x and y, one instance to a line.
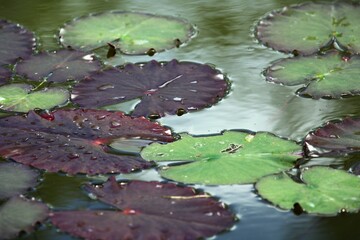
pixel 164 88
pixel 20 214
pixel 76 141
pixel 59 66
pixel 15 42
pixel 335 137
pixel 147 210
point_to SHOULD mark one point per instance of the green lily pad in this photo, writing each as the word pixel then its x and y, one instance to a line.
pixel 324 76
pixel 323 191
pixel 230 158
pixel 16 179
pixel 131 32
pixel 308 27
pixel 20 98
pixel 20 214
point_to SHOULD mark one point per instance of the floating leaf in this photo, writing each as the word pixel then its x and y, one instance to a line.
pixel 340 136
pixel 15 42
pixel 131 32
pixel 308 27
pixel 173 87
pixel 323 191
pixel 58 66
pixel 147 210
pixel 15 179
pixel 75 141
pixel 20 214
pixel 230 158
pixel 20 98
pixel 328 76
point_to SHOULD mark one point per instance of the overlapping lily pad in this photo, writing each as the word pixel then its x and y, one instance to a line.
pixel 230 158
pixel 308 27
pixel 130 32
pixel 20 214
pixel 76 141
pixel 324 76
pixel 323 191
pixel 15 179
pixel 20 98
pixel 147 210
pixel 335 137
pixel 15 42
pixel 59 66
pixel 163 88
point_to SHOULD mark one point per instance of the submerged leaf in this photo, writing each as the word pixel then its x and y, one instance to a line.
pixel 20 214
pixel 15 179
pixel 147 210
pixel 340 136
pixel 164 88
pixel 323 191
pixel 58 66
pixel 75 141
pixel 308 27
pixel 231 158
pixel 131 32
pixel 328 76
pixel 15 42
pixel 20 98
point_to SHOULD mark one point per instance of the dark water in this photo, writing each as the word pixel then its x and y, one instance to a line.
pixel 224 40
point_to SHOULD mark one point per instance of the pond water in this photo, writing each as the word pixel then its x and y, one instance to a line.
pixel 224 40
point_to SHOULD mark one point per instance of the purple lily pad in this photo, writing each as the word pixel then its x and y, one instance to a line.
pixel 335 137
pixel 16 179
pixel 163 88
pixel 20 214
pixel 59 66
pixel 147 210
pixel 15 42
pixel 76 141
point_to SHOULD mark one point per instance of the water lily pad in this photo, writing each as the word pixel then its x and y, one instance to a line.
pixel 20 214
pixel 76 141
pixel 308 27
pixel 324 76
pixel 163 88
pixel 131 32
pixel 323 191
pixel 15 42
pixel 230 158
pixel 20 98
pixel 16 179
pixel 336 137
pixel 58 66
pixel 147 210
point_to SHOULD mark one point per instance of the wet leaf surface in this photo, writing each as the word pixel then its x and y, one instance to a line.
pixel 308 27
pixel 58 66
pixel 16 179
pixel 324 76
pixel 147 210
pixel 335 137
pixel 20 214
pixel 163 88
pixel 231 158
pixel 76 141
pixel 21 98
pixel 323 191
pixel 130 32
pixel 15 42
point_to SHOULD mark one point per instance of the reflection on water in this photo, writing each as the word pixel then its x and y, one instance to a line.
pixel 224 40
